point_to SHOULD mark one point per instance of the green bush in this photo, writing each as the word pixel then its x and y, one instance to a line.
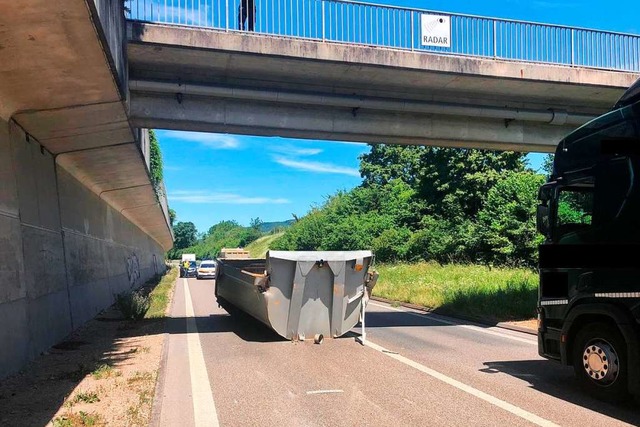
pixel 507 222
pixel 133 305
pixel 392 244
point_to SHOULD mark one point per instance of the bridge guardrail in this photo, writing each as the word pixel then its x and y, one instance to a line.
pixel 393 27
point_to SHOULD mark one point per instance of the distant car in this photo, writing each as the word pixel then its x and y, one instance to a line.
pixel 190 271
pixel 207 270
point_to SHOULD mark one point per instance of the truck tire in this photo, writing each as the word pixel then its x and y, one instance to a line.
pixel 600 362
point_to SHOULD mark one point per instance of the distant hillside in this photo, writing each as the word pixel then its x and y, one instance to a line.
pixel 258 248
pixel 267 227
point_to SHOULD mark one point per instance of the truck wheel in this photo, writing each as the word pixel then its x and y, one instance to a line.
pixel 600 362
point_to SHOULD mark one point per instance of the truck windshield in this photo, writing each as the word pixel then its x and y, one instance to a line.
pixel 575 210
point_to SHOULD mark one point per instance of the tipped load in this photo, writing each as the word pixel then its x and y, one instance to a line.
pixel 300 295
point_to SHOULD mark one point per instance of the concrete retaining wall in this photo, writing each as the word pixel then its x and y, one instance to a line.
pixel 64 253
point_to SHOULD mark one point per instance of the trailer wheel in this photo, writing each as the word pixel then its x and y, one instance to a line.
pixel 600 362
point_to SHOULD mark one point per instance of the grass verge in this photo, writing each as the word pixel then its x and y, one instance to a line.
pixel 78 419
pixel 118 388
pixel 498 294
pixel 160 295
pixel 259 248
pixel 103 371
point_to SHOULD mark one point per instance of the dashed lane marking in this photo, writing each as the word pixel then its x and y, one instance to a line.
pixel 324 391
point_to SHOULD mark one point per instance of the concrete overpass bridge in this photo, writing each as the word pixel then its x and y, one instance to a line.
pixel 80 217
pixel 344 70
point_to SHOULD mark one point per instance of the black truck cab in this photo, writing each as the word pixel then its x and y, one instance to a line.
pixel 589 212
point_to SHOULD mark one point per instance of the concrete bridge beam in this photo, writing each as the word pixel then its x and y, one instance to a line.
pixel 363 125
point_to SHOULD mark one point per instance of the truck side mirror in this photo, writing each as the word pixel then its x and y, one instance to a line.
pixel 542 219
pixel 545 193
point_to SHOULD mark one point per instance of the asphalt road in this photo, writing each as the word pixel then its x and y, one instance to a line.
pixel 417 370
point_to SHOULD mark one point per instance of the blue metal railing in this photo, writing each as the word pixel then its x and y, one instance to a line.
pixel 401 28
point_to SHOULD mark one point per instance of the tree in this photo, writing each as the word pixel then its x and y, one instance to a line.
pixel 507 222
pixel 221 228
pixel 256 223
pixel 172 216
pixel 547 164
pixel 385 163
pixel 454 182
pixel 155 162
pixel 451 182
pixel 185 234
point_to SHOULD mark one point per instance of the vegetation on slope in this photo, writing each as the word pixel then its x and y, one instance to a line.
pixel 430 204
pixel 258 248
pixel 497 293
pixel 226 234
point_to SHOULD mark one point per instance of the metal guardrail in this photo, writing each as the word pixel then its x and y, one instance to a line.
pixel 401 28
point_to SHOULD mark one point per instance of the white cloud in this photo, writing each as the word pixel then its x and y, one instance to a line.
pixel 291 150
pixel 316 166
pixel 207 197
pixel 214 141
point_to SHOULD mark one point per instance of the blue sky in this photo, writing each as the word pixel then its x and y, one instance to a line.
pixel 211 177
pixel 619 15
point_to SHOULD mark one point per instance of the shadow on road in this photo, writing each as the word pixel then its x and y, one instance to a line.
pixel 388 319
pixel 244 326
pixel 558 381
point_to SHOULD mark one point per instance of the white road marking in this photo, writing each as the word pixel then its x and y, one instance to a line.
pixel 528 416
pixel 204 409
pixel 325 391
pixel 471 327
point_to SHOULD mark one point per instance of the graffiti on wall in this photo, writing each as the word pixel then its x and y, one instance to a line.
pixel 133 269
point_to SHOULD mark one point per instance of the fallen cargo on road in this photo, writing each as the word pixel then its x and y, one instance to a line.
pixel 299 294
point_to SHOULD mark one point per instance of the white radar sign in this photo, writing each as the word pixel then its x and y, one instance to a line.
pixel 436 30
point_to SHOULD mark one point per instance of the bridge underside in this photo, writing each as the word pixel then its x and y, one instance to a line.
pixel 196 113
pixel 216 81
